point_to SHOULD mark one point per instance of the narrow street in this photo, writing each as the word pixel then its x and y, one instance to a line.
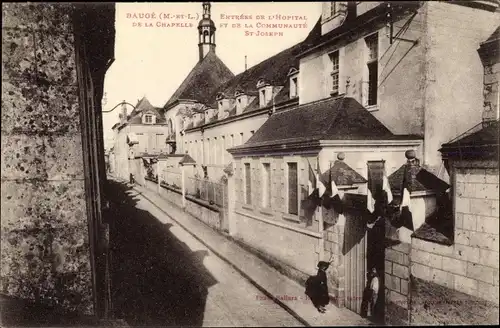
pixel 163 276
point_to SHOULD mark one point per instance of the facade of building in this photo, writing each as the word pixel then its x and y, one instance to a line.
pixel 143 131
pixel 53 244
pixel 375 82
pixel 368 92
pixel 472 159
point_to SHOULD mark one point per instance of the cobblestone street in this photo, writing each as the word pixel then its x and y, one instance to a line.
pixel 164 276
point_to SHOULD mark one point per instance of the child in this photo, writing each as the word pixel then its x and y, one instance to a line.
pixel 374 286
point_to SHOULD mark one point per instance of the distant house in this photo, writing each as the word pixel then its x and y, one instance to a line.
pixel 143 131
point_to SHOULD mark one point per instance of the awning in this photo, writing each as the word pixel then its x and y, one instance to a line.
pixel 132 139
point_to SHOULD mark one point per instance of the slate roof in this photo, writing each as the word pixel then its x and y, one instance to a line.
pixel 421 180
pixel 273 70
pixel 204 78
pixel 480 144
pixel 328 119
pixel 342 174
pixel 143 106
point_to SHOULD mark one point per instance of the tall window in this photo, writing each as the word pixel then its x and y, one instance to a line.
pixel 266 185
pixel 160 141
pixel 372 46
pixel 294 87
pixel 216 151
pixel 208 152
pixel 334 59
pixel 223 148
pixel 231 140
pixel 196 152
pixel 248 184
pixel 262 98
pixel 333 8
pixel 241 138
pixel 293 207
pixel 252 133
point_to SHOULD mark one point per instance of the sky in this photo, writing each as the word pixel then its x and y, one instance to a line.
pixel 153 59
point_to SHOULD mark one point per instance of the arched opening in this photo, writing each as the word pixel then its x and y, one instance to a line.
pixel 205 37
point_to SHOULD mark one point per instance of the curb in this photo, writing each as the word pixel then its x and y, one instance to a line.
pixel 240 271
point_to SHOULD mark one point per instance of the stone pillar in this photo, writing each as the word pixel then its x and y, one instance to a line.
pixel 183 185
pixel 160 174
pixel 397 284
pixel 231 199
pixel 334 241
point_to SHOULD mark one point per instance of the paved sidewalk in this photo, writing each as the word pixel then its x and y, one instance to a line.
pixel 271 282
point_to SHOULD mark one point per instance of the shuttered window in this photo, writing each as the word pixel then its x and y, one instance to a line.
pixel 292 189
pixel 248 184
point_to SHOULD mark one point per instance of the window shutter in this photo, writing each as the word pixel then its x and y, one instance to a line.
pixel 292 189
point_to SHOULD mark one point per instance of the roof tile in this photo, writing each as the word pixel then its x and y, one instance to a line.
pixel 328 119
pixel 204 78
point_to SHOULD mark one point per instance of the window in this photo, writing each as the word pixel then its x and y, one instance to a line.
pixel 241 138
pixel 215 147
pixel 333 8
pixel 223 148
pixel 293 199
pixel 294 87
pixel 334 59
pixel 148 118
pixel 208 151
pixel 248 185
pixel 160 141
pixel 239 101
pixel 231 140
pixel 262 98
pixel 372 64
pixel 252 133
pixel 266 185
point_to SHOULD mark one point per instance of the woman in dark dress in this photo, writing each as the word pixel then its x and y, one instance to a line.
pixel 317 288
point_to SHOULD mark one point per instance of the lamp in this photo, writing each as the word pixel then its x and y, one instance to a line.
pixel 122 103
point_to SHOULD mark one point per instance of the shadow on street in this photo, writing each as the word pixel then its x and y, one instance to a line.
pixel 156 279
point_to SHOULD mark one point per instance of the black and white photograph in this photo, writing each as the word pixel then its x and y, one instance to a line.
pixel 250 164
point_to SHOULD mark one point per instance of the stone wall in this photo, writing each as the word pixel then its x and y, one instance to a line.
pixel 334 239
pixel 470 265
pixel 44 243
pixel 397 283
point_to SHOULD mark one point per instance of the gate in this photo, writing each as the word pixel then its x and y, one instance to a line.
pixel 355 257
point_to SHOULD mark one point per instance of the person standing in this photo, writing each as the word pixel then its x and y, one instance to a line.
pixel 374 288
pixel 317 287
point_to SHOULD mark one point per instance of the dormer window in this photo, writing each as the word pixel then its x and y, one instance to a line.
pixel 262 98
pixel 336 8
pixel 242 101
pixel 265 92
pixel 148 119
pixel 293 74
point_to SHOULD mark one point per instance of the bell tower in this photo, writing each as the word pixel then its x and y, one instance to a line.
pixel 206 32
